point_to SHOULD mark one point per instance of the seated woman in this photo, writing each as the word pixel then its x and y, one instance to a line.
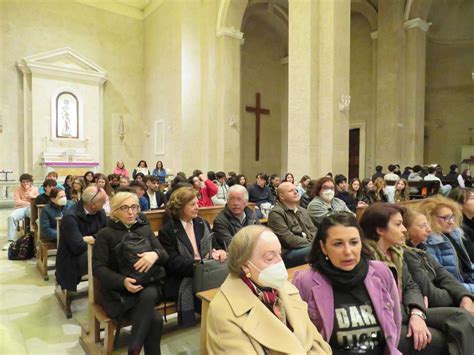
pixel 241 179
pixel 465 198
pixel 289 178
pixel 431 277
pixel 384 233
pixel 344 290
pixel 160 172
pixel 367 194
pixel 102 182
pixel 446 241
pixel 68 186
pixel 89 178
pixel 57 205
pixel 78 187
pixel 257 311
pixel 401 191
pixel 142 168
pixel 187 239
pixel 306 197
pixel 303 185
pixel 324 202
pixel 379 194
pixel 123 296
pixel 205 189
pixel 120 169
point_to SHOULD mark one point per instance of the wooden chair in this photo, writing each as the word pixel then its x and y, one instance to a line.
pixel 90 339
pixel 44 248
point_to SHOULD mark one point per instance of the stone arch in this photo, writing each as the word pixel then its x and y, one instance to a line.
pixel 230 14
pixel 365 9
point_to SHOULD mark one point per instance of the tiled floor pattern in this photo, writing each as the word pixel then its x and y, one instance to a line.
pixel 31 321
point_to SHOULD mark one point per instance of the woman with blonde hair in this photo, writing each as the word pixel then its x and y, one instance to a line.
pixel 125 295
pixel 78 187
pixel 257 311
pixel 379 192
pixel 446 241
pixel 187 239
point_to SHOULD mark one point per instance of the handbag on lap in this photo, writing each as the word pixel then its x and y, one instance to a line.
pixel 126 252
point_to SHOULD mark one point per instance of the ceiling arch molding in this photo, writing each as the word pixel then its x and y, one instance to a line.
pixel 367 10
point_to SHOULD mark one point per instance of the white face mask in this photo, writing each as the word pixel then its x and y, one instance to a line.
pixel 273 276
pixel 62 201
pixel 327 195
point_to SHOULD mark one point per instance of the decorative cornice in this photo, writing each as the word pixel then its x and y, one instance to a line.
pixel 230 32
pixel 374 35
pixel 417 23
pixel 51 63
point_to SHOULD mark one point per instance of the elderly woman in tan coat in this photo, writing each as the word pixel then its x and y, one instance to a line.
pixel 257 311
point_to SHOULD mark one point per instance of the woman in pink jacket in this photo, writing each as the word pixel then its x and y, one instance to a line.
pixel 353 301
pixel 205 189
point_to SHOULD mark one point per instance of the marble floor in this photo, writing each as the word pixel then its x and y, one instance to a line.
pixel 31 321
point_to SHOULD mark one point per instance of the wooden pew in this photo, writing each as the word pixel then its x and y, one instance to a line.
pixel 44 248
pixel 90 339
pixel 210 213
pixel 207 296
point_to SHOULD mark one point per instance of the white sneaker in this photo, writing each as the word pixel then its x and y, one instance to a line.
pixel 6 246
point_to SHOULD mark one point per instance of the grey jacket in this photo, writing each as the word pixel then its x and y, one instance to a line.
pixel 289 227
pixel 225 225
pixel 318 208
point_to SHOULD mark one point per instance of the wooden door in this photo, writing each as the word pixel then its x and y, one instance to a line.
pixel 354 144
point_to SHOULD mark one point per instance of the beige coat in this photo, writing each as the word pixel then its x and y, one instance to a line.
pixel 239 323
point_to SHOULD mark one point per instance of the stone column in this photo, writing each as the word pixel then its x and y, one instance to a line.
pixel 412 139
pixel 319 62
pixel 334 84
pixel 388 148
pixel 228 99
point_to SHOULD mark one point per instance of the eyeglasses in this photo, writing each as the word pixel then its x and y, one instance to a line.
pixel 449 218
pixel 125 208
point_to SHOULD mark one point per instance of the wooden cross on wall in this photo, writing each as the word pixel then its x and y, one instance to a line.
pixel 257 110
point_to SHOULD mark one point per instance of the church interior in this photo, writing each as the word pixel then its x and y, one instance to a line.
pixel 275 86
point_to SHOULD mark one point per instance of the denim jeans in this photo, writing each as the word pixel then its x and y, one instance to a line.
pixel 295 257
pixel 12 220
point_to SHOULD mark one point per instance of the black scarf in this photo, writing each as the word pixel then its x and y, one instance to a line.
pixel 341 279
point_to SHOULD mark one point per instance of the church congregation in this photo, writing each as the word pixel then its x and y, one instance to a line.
pixel 242 177
pixel 418 252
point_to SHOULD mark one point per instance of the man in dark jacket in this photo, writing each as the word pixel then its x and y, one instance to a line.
pixel 155 198
pixel 343 194
pixel 260 193
pixel 79 226
pixel 292 225
pixel 234 216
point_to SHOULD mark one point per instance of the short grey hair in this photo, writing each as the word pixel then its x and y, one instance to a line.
pixel 90 192
pixel 239 189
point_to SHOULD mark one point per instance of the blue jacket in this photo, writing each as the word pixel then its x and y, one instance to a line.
pixel 48 219
pixel 441 248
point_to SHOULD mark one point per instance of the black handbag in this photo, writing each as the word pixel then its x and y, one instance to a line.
pixel 209 274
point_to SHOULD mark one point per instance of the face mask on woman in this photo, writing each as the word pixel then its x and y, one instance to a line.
pixel 62 201
pixel 327 195
pixel 273 276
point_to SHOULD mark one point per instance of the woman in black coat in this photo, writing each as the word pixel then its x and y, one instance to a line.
pixel 187 239
pixel 123 295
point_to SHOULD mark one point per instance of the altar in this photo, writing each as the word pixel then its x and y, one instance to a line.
pixel 63 116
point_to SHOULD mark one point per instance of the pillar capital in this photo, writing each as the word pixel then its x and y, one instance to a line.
pixel 230 32
pixel 374 35
pixel 417 23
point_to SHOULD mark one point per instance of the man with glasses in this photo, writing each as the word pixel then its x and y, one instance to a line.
pixel 292 225
pixel 79 226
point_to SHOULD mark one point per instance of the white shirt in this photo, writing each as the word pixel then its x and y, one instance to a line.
pixel 391 177
pixel 152 199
